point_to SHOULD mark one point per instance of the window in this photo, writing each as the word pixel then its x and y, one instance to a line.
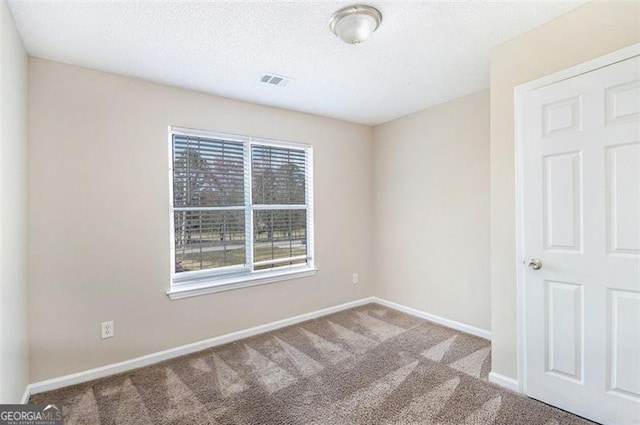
pixel 241 211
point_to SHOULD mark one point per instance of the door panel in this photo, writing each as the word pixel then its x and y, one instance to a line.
pixel 564 330
pixel 581 218
pixel 622 103
pixel 563 201
pixel 623 187
pixel 625 340
pixel 563 116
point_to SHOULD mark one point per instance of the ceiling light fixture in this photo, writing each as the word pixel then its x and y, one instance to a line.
pixel 354 24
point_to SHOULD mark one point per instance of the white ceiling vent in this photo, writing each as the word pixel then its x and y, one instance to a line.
pixel 276 80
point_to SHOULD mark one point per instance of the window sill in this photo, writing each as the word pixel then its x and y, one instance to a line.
pixel 213 285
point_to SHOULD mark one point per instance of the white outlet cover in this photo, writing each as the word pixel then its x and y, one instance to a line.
pixel 107 330
pixel 355 278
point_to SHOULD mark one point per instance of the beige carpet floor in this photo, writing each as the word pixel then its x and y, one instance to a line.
pixel 367 365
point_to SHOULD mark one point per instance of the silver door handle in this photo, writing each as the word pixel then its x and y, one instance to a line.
pixel 535 264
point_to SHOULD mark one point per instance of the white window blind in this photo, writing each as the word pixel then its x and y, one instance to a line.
pixel 279 198
pixel 240 206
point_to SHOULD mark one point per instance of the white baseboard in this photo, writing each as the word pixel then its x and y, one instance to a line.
pixel 504 381
pixel 26 395
pixel 436 319
pixel 149 359
pixel 127 365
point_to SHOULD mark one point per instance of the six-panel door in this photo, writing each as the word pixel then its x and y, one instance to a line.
pixel 581 211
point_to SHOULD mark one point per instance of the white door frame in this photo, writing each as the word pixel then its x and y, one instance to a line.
pixel 583 68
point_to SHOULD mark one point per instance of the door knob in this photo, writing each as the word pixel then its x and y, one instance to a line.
pixel 535 264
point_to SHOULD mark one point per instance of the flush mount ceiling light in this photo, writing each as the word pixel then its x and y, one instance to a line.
pixel 354 24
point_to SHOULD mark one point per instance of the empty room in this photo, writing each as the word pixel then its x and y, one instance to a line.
pixel 319 212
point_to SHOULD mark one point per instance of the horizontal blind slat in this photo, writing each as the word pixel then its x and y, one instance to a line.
pixel 278 175
pixel 207 172
pixel 209 239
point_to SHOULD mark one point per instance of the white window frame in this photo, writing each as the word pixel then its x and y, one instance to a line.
pixel 199 282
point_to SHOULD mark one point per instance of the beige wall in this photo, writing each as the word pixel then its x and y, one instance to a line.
pixel 99 219
pixel 583 34
pixel 99 246
pixel 13 211
pixel 431 208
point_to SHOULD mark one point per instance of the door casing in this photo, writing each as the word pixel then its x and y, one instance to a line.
pixel 583 68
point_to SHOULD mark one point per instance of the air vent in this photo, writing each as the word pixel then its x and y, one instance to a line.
pixel 276 80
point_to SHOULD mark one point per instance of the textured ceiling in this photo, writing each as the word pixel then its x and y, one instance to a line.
pixel 424 53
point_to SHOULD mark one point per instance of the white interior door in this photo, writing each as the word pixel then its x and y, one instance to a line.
pixel 581 220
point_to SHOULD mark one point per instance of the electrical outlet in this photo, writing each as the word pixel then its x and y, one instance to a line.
pixel 107 329
pixel 355 278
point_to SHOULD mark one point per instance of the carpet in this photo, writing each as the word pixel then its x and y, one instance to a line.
pixel 366 365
